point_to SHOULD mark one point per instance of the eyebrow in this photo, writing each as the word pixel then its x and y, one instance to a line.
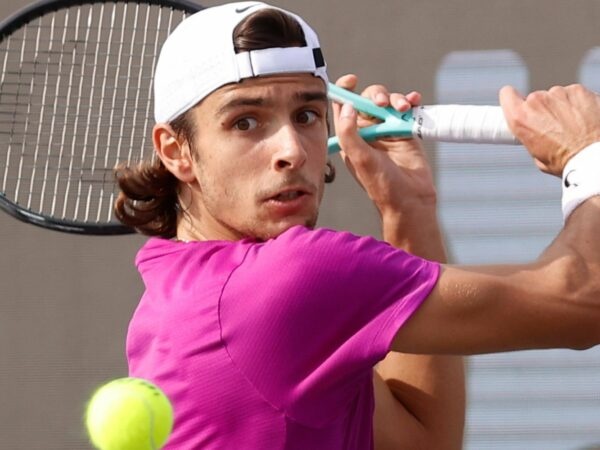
pixel 311 96
pixel 304 96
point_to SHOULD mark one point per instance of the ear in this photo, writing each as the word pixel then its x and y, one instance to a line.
pixel 175 155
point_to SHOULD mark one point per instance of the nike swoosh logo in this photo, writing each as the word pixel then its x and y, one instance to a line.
pixel 245 8
pixel 567 182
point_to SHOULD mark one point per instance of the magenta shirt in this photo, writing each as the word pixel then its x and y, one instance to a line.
pixel 271 345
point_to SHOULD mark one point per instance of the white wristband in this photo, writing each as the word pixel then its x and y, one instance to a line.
pixel 581 178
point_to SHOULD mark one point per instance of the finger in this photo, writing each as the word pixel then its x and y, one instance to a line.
pixel 581 95
pixel 510 97
pixel 400 102
pixel 405 102
pixel 352 145
pixel 346 127
pixel 414 98
pixel 559 92
pixel 348 82
pixel 378 94
pixel 512 104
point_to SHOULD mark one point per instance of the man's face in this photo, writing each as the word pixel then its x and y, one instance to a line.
pixel 260 152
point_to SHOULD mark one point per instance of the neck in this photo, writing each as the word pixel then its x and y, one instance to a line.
pixel 196 223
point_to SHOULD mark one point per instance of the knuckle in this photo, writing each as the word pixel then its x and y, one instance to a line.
pixel 373 90
pixel 576 87
pixel 374 87
pixel 577 90
pixel 536 97
pixel 518 120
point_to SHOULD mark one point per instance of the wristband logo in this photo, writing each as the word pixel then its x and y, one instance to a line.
pixel 569 183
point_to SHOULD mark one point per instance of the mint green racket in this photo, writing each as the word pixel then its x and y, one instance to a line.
pixel 444 123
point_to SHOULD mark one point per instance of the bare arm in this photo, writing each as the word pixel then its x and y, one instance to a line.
pixel 553 302
pixel 419 399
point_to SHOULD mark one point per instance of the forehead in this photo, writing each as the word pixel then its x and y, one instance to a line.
pixel 270 89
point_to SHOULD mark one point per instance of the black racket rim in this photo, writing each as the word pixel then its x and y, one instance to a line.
pixel 66 226
pixel 38 9
pixel 15 22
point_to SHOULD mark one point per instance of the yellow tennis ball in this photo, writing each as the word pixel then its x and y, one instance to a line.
pixel 129 414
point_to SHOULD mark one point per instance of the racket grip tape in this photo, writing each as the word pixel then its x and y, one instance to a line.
pixel 462 123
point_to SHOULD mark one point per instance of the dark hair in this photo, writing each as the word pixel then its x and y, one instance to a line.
pixel 149 200
pixel 149 197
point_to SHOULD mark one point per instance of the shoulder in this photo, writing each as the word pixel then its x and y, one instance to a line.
pixel 321 256
pixel 324 242
pixel 342 250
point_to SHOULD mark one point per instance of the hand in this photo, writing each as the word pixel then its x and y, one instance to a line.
pixel 554 125
pixel 394 172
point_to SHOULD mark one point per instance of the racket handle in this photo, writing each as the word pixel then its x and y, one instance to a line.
pixel 462 123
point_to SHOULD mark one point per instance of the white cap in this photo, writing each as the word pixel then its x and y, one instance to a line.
pixel 199 57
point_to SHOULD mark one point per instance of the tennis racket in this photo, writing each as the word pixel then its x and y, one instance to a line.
pixel 445 123
pixel 75 100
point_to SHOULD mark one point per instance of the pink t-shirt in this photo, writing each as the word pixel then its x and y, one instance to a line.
pixel 271 345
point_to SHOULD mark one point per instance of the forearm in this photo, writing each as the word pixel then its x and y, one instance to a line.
pixel 427 392
pixel 553 302
pixel 416 231
pixel 425 402
pixel 575 254
pixel 559 294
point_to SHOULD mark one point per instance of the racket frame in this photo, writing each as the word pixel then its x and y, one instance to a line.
pixel 32 11
pixel 18 20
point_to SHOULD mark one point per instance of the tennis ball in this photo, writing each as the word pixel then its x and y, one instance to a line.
pixel 129 414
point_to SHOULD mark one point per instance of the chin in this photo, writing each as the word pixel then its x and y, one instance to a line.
pixel 274 230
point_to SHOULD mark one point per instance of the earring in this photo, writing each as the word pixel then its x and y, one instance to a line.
pixel 329 172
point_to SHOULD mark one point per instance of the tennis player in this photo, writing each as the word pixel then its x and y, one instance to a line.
pixel 264 330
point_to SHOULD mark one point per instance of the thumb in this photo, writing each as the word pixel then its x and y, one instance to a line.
pixel 346 127
pixel 511 101
pixel 347 132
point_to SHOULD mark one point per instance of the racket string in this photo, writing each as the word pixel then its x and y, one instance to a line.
pixel 26 127
pixel 75 99
pixel 39 136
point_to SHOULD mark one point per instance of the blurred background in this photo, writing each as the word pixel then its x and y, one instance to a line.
pixel 66 300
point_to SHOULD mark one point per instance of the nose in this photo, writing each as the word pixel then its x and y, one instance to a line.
pixel 290 153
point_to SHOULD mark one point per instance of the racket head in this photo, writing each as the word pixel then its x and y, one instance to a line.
pixel 75 100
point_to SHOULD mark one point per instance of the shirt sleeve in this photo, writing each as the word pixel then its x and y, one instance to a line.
pixel 308 314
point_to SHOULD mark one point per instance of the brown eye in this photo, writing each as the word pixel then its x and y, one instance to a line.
pixel 246 124
pixel 306 117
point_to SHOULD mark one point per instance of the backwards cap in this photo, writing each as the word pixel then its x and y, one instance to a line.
pixel 199 57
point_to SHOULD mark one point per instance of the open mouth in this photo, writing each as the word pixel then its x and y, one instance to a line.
pixel 291 202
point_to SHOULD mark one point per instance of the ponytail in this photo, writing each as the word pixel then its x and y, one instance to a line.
pixel 148 200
